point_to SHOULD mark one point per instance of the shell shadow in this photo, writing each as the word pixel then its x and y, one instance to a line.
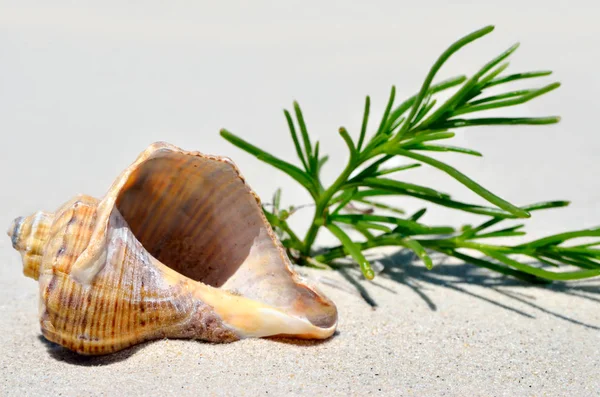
pixel 60 353
pixel 404 268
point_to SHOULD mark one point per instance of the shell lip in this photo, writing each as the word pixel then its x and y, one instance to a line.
pixel 302 329
pixel 14 230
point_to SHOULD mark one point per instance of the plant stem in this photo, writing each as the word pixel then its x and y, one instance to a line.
pixel 323 205
pixel 323 200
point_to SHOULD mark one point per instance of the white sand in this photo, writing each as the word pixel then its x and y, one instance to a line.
pixel 452 331
pixel 83 91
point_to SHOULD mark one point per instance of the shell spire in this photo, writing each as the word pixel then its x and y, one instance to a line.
pixel 29 236
pixel 178 247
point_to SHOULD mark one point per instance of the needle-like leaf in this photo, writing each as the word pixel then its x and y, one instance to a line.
pixel 386 113
pixel 371 169
pixel 354 250
pixel 490 76
pixel 346 198
pixel 443 148
pixel 396 169
pixel 400 187
pixel 445 202
pixel 457 123
pixel 465 180
pixel 508 232
pixel 364 231
pixel 373 225
pixel 314 164
pixel 561 237
pixel 428 137
pixel 365 122
pixel 419 250
pixel 321 162
pixel 493 98
pixel 511 102
pixel 277 200
pixel 304 131
pixel 517 76
pixel 293 171
pixel 417 215
pixel 295 139
pixel 349 143
pixel 380 205
pixel 411 227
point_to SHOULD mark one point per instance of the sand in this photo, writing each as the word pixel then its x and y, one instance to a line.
pixel 452 331
pixel 84 90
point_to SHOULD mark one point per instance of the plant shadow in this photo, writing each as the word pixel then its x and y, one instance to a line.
pixel 404 268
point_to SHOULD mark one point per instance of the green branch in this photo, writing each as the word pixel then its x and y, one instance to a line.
pixel 404 131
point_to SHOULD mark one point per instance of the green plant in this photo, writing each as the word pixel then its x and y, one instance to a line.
pixel 407 130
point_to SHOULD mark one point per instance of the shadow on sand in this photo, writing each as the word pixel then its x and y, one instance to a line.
pixel 60 353
pixel 403 268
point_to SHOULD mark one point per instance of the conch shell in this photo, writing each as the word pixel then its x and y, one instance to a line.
pixel 178 248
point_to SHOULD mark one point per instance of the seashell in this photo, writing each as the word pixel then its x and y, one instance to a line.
pixel 178 248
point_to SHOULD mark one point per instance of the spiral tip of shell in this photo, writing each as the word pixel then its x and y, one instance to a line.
pixel 13 230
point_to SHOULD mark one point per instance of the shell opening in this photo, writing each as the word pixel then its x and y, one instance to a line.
pixel 196 215
pixel 192 214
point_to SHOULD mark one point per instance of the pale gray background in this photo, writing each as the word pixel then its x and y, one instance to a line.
pixel 84 89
